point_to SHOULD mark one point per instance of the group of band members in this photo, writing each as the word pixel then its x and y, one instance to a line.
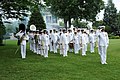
pixel 75 40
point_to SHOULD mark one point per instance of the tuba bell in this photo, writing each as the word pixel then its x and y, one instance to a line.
pixel 32 27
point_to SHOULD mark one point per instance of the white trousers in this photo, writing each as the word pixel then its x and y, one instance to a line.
pixel 42 50
pixel 31 46
pixel 55 47
pixel 23 51
pixel 61 49
pixel 103 55
pixel 65 50
pixel 79 46
pixel 83 49
pixel 86 45
pixel 51 47
pixel 34 48
pixel 38 48
pixel 92 47
pixel 76 48
pixel 45 52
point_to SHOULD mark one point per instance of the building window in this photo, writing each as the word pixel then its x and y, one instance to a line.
pixel 54 19
pixel 48 19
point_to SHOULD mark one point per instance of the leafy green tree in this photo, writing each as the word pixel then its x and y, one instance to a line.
pixel 88 9
pixel 110 17
pixel 64 9
pixel 15 9
pixel 96 24
pixel 77 9
pixel 118 24
pixel 2 30
pixel 79 24
pixel 18 8
pixel 37 19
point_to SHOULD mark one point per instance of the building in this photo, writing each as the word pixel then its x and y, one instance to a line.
pixel 51 21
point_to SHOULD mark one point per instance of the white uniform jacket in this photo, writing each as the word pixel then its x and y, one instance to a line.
pixel 103 39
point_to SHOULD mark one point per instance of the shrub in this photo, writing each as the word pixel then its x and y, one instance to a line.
pixel 111 36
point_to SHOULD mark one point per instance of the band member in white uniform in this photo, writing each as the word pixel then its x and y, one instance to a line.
pixel 40 43
pixel 64 43
pixel 87 39
pixel 46 43
pixel 31 37
pixel 54 36
pixel 51 40
pixel 79 38
pixel 23 37
pixel 76 43
pixel 60 43
pixel 36 41
pixel 92 41
pixel 103 42
pixel 70 40
pixel 98 31
pixel 83 43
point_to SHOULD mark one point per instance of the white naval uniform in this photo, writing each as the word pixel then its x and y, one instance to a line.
pixel 70 38
pixel 60 43
pixel 23 43
pixel 31 36
pixel 45 45
pixel 103 44
pixel 87 41
pixel 76 43
pixel 97 40
pixel 92 42
pixel 54 39
pixel 50 40
pixel 39 44
pixel 42 44
pixel 64 44
pixel 83 44
pixel 79 38
pixel 34 45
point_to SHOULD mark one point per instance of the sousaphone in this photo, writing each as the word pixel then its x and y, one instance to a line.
pixel 32 27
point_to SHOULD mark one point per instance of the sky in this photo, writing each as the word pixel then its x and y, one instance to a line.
pixel 117 5
pixel 116 2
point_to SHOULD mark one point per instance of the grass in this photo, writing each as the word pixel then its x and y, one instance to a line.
pixel 56 67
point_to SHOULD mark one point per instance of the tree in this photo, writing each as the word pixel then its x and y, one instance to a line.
pixel 37 19
pixel 110 17
pixel 79 24
pixel 96 24
pixel 15 9
pixel 118 24
pixel 64 9
pixel 77 9
pixel 2 30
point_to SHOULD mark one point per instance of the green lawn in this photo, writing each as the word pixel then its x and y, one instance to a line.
pixel 56 67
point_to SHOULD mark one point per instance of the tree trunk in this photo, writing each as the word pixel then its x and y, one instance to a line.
pixel 1 41
pixel 65 23
pixel 76 20
pixel 69 22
